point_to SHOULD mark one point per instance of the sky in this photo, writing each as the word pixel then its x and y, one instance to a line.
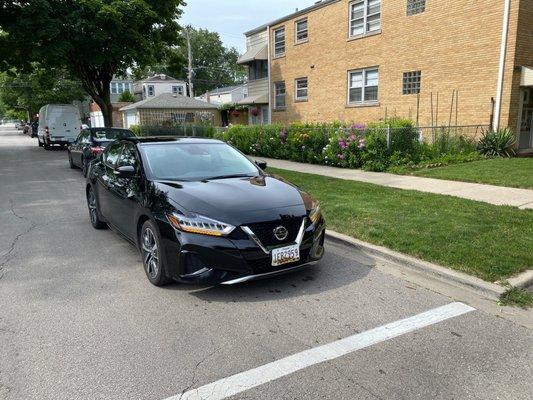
pixel 231 18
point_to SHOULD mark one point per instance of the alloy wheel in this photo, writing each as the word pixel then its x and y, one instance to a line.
pixel 150 253
pixel 93 212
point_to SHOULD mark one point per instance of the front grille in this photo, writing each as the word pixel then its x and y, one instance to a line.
pixel 265 231
pixel 264 265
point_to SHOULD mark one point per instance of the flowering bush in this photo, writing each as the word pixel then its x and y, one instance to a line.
pixel 376 146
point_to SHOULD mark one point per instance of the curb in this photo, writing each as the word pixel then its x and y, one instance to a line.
pixel 434 271
pixel 522 281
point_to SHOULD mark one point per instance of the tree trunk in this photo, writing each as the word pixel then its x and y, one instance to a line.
pixel 96 82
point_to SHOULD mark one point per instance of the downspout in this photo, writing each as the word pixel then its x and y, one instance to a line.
pixel 501 72
pixel 269 77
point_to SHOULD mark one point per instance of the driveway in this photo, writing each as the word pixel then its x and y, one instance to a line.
pixel 79 319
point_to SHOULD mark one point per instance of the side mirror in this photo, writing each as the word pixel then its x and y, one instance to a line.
pixel 261 164
pixel 126 171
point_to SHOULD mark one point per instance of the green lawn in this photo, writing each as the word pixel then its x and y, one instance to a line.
pixel 487 241
pixel 512 172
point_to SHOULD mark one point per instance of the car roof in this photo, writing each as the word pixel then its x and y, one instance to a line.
pixel 108 128
pixel 171 139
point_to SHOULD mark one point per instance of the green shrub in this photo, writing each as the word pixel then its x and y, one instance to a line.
pixel 136 129
pixel 126 97
pixel 498 143
pixel 379 146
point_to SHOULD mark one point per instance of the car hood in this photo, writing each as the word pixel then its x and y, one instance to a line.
pixel 238 200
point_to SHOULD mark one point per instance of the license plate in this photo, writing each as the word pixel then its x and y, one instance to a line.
pixel 285 255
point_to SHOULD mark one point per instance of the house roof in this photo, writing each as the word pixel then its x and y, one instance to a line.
pixel 227 89
pixel 261 99
pixel 317 5
pixel 170 101
pixel 160 78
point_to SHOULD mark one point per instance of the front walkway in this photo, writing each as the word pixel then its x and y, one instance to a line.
pixel 498 195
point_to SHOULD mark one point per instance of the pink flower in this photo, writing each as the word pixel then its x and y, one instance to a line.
pixel 340 156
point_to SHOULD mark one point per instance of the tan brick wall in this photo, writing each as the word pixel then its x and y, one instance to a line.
pixel 456 45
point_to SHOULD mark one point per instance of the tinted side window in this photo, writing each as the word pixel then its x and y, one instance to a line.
pixel 129 156
pixel 112 154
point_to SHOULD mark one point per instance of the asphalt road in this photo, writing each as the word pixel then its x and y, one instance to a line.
pixel 79 319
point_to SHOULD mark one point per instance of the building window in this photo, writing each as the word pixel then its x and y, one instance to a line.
pixel 301 89
pixel 363 86
pixel 258 69
pixel 279 95
pixel 151 90
pixel 365 17
pixel 415 7
pixel 411 82
pixel 302 32
pixel 279 42
pixel 177 90
pixel 114 88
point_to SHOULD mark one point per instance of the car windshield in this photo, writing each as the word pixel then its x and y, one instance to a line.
pixel 106 135
pixel 196 161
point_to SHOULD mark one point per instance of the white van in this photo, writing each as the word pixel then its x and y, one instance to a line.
pixel 58 124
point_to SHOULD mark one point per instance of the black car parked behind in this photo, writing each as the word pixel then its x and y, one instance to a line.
pixel 200 211
pixel 92 142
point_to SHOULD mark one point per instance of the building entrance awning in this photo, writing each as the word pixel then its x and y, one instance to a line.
pixel 255 53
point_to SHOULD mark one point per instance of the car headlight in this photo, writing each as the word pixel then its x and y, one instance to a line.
pixel 195 223
pixel 315 213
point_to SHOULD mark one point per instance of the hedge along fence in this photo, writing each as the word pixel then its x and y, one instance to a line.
pixel 181 130
pixel 376 146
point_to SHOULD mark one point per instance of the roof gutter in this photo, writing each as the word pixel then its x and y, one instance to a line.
pixel 501 72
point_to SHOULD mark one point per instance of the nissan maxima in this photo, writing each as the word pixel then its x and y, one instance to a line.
pixel 199 211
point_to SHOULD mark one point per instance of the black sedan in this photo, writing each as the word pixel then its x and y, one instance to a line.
pixel 92 142
pixel 200 211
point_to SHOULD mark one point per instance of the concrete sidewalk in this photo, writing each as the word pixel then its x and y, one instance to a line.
pixel 497 195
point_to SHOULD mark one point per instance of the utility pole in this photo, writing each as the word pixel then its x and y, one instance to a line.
pixel 189 55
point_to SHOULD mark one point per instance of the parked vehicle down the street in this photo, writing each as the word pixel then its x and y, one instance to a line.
pixel 59 124
pixel 200 211
pixel 90 143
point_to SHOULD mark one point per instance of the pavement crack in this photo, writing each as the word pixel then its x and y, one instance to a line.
pixel 9 255
pixel 195 371
pixel 282 331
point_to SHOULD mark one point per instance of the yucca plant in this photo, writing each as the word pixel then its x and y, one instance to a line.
pixel 498 143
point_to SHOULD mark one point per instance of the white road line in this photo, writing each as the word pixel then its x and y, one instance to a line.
pixel 243 381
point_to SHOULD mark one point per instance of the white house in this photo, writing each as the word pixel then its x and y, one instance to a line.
pixel 157 85
pixel 225 95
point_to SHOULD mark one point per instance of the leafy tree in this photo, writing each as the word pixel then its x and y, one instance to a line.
pixel 30 91
pixel 214 64
pixel 93 39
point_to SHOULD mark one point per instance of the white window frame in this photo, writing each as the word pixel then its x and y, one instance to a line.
pixel 297 32
pixel 114 88
pixel 152 87
pixel 365 17
pixel 177 89
pixel 280 42
pixel 363 72
pixel 298 97
pixel 276 106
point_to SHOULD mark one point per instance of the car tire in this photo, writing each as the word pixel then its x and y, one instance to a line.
pixel 94 214
pixel 84 167
pixel 150 245
pixel 70 162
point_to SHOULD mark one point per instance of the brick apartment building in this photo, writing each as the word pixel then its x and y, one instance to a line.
pixel 363 60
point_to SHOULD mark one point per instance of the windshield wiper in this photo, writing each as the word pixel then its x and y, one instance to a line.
pixel 228 177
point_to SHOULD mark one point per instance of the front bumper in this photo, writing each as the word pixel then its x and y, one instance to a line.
pixel 200 259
